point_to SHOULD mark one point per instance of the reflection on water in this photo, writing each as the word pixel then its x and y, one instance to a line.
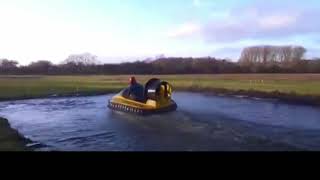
pixel 201 123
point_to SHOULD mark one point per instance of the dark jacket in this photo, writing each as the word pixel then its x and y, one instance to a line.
pixel 136 92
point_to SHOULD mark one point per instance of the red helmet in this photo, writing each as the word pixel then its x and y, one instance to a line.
pixel 133 80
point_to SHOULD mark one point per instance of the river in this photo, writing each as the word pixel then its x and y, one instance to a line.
pixel 201 123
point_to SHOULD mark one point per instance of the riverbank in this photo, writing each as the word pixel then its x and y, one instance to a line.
pixel 10 139
pixel 292 88
pixel 63 95
pixel 291 98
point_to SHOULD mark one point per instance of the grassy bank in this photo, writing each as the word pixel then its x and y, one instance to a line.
pixel 300 87
pixel 11 140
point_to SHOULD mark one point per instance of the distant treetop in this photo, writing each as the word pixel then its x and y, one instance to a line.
pixel 83 59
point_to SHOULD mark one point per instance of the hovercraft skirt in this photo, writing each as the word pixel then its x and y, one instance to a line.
pixel 133 110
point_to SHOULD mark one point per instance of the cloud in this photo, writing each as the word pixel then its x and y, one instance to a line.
pixel 277 21
pixel 227 52
pixel 259 20
pixel 196 3
pixel 184 30
pixel 263 27
pixel 313 52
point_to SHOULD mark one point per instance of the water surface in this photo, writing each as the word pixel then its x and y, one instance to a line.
pixel 201 123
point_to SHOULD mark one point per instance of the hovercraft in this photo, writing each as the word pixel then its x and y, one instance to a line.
pixel 157 99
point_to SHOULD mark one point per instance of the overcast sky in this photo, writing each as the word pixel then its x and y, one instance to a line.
pixel 116 30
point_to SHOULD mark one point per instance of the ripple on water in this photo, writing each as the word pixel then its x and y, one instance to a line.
pixel 106 135
pixel 200 123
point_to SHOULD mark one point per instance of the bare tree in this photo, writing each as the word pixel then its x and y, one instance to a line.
pixel 272 54
pixel 298 53
pixel 7 66
pixel 5 63
pixel 82 59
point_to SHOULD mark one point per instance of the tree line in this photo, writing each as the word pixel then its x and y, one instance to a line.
pixel 272 54
pixel 256 59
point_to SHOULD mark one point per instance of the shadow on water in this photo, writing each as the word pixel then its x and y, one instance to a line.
pixel 201 123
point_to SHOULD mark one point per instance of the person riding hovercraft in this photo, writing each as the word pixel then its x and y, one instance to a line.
pixel 135 91
pixel 154 97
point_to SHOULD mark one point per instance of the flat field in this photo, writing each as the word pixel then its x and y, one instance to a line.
pixel 20 87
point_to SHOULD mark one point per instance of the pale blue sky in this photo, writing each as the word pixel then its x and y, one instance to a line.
pixel 128 29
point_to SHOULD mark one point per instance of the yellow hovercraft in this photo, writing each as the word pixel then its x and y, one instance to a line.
pixel 157 99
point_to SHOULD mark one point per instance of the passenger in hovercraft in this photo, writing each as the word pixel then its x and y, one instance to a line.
pixel 135 91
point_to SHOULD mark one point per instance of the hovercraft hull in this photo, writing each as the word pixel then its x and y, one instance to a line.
pixel 129 106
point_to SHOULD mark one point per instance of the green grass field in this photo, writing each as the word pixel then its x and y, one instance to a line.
pixel 18 87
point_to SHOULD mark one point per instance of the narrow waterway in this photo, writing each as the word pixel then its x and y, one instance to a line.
pixel 201 123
